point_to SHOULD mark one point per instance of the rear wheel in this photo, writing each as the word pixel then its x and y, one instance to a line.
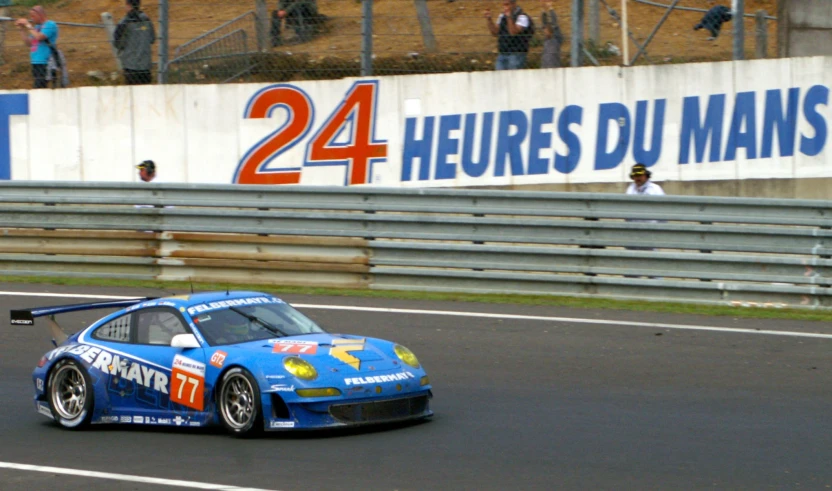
pixel 70 394
pixel 239 403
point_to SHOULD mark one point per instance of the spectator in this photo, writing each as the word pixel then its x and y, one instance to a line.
pixel 132 38
pixel 40 35
pixel 553 37
pixel 299 15
pixel 147 170
pixel 641 182
pixel 713 20
pixel 513 30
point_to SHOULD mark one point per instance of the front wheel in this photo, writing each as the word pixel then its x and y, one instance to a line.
pixel 239 403
pixel 70 395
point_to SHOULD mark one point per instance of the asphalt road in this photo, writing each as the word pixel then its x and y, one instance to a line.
pixel 520 404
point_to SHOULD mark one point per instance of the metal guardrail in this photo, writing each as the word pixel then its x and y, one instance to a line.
pixel 665 248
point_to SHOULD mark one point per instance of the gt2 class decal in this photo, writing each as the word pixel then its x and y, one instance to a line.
pixel 218 358
pixel 355 118
pixel 295 347
pixel 188 382
pixel 341 348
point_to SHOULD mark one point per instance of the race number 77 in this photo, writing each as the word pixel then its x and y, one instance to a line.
pixel 187 380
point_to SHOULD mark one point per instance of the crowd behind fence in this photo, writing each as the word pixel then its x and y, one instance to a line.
pixel 216 41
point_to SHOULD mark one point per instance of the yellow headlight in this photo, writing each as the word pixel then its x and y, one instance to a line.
pixel 424 381
pixel 329 391
pixel 300 368
pixel 406 355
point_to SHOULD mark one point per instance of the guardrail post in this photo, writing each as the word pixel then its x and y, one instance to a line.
pixel 261 27
pixel 164 40
pixel 594 22
pixel 367 38
pixel 577 32
pixel 428 39
pixel 110 27
pixel 739 29
pixel 761 24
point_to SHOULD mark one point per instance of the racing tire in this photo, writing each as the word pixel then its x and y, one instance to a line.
pixel 238 403
pixel 70 393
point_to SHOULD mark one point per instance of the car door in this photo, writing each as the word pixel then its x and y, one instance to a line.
pixel 149 381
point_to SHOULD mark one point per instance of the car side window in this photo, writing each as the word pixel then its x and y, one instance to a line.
pixel 158 326
pixel 117 330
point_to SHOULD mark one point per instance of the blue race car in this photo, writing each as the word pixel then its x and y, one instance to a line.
pixel 246 360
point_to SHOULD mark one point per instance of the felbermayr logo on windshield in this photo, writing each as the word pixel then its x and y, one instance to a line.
pixel 224 304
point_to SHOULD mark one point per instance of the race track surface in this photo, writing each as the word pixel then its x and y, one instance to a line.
pixel 520 404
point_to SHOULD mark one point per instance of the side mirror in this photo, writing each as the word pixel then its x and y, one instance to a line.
pixel 184 341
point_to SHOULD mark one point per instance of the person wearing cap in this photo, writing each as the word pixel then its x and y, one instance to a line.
pixel 147 170
pixel 641 182
pixel 132 38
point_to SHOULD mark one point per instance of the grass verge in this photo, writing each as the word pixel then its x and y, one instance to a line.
pixel 537 300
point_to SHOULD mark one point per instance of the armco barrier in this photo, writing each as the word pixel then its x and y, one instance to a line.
pixel 674 248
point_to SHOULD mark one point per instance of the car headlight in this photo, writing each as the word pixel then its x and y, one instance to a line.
pixel 326 392
pixel 406 355
pixel 301 369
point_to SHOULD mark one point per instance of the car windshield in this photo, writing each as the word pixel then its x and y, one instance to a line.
pixel 240 324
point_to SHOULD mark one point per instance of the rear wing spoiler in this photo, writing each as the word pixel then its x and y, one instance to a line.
pixel 27 316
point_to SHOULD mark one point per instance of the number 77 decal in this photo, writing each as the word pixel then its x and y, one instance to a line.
pixel 354 117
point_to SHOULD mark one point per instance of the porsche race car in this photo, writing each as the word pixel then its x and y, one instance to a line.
pixel 245 360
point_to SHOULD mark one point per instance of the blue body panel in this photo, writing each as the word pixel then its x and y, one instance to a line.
pixel 161 385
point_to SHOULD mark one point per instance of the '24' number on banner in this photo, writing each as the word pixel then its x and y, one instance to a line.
pixel 357 113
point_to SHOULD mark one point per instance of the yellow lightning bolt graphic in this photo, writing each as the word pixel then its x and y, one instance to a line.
pixel 341 347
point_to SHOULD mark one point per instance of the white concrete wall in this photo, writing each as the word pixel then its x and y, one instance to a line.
pixel 209 134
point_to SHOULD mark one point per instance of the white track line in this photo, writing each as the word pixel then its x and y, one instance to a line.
pixel 607 322
pixel 125 477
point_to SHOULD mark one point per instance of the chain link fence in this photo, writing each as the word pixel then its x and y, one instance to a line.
pixel 217 41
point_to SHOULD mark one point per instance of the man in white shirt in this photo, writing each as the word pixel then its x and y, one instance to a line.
pixel 641 182
pixel 513 30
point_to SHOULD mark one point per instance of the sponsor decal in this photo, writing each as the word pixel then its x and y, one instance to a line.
pixel 218 358
pixel 269 377
pixel 25 322
pixel 194 423
pixel 188 382
pixel 379 379
pixel 164 421
pixel 39 384
pixel 178 420
pixel 125 419
pixel 297 347
pixel 341 348
pixel 108 419
pixel 224 304
pixel 138 419
pixel 283 388
pixel 281 424
pixel 167 304
pixel 126 368
pixel 43 408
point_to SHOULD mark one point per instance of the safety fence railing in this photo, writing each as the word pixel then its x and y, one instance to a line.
pixel 666 248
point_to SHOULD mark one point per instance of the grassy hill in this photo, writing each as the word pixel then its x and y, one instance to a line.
pixel 461 33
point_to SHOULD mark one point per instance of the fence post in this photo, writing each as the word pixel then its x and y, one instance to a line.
pixel 367 38
pixel 577 32
pixel 163 41
pixel 761 46
pixel 261 19
pixel 110 27
pixel 4 11
pixel 739 29
pixel 594 22
pixel 428 39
